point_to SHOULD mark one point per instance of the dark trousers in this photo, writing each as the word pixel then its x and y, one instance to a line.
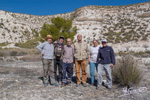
pixel 58 67
pixel 67 68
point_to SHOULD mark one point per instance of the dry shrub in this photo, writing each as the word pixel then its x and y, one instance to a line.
pixel 1 54
pixel 18 52
pixel 4 53
pixel 22 53
pixel 13 53
pixel 145 15
pixel 127 72
pixel 31 58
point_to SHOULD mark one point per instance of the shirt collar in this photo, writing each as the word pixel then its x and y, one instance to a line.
pixel 49 43
pixel 105 46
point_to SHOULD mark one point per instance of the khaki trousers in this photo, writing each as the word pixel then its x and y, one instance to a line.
pixel 82 64
pixel 48 71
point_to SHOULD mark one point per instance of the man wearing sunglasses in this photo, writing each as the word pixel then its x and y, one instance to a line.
pixel 106 61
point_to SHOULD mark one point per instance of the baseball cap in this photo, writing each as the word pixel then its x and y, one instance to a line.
pixel 103 40
pixel 61 37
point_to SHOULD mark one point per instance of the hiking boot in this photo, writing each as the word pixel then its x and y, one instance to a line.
pixel 109 88
pixel 84 85
pixel 63 85
pixel 45 84
pixel 77 85
pixel 55 84
pixel 69 84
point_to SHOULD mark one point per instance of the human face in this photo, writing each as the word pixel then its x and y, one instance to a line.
pixel 95 43
pixel 49 40
pixel 104 44
pixel 69 42
pixel 79 37
pixel 61 40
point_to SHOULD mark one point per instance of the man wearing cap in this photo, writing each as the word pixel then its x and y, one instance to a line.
pixel 81 55
pixel 58 54
pixel 106 61
pixel 47 51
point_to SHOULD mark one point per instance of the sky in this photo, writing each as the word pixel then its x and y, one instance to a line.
pixel 51 7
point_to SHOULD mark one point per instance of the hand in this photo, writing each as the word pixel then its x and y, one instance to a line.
pixel 55 42
pixel 43 54
pixel 111 65
pixel 88 61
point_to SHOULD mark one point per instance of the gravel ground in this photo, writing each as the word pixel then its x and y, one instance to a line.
pixel 20 83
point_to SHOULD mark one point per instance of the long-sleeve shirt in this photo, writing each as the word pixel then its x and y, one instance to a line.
pixel 58 51
pixel 68 54
pixel 106 55
pixel 47 50
pixel 81 51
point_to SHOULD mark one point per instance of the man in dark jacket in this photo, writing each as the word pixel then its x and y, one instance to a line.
pixel 106 61
pixel 58 55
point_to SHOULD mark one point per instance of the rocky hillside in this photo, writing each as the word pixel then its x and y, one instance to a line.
pixel 116 23
pixel 16 27
pixel 119 24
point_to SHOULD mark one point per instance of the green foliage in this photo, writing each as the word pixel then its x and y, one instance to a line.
pixel 142 54
pixel 127 72
pixel 125 31
pixel 59 27
pixel 30 43
pixel 36 33
pixel 4 44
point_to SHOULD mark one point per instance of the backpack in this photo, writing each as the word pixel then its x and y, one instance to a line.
pixel 59 51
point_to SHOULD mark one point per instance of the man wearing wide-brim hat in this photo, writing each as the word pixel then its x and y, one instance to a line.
pixel 47 51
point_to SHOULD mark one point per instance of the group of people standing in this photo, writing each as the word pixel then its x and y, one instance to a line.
pixel 58 60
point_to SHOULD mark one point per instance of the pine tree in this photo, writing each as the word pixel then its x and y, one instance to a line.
pixel 59 27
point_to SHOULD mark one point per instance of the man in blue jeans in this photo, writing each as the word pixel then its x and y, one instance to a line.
pixel 68 63
pixel 106 60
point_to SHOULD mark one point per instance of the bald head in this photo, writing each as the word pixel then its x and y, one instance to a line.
pixel 79 37
pixel 69 41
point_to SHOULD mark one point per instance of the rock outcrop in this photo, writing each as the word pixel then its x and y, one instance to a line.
pixel 119 24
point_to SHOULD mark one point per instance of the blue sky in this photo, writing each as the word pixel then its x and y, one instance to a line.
pixel 50 7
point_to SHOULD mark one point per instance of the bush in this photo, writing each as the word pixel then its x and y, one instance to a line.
pixel 31 58
pixel 22 53
pixel 13 53
pixel 127 72
pixel 59 27
pixel 30 43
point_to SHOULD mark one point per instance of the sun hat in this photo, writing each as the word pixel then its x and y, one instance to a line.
pixel 49 37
